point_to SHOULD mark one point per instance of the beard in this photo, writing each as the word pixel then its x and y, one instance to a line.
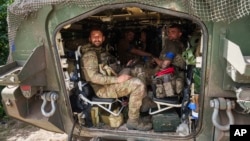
pixel 97 44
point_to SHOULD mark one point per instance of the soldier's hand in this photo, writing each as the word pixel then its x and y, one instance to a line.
pixel 129 62
pixel 123 77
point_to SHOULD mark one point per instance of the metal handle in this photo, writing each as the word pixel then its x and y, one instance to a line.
pixel 222 104
pixel 52 97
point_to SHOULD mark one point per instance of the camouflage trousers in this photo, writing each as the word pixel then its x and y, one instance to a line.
pixel 133 87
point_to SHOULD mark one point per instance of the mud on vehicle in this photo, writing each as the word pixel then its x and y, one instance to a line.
pixel 44 85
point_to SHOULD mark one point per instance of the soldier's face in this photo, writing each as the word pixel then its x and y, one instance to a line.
pixel 174 33
pixel 165 64
pixel 96 38
pixel 130 36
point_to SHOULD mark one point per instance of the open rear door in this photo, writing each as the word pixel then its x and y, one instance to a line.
pixel 23 96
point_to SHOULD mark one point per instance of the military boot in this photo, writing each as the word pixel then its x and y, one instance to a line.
pixel 145 117
pixel 136 124
pixel 147 103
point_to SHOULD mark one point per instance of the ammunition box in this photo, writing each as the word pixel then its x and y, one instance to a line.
pixel 166 121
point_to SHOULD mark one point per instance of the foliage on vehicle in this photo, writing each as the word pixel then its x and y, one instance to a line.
pixel 3 41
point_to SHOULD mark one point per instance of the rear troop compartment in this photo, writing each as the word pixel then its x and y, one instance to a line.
pixel 170 112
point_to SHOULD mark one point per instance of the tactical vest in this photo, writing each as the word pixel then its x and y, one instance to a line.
pixel 104 59
pixel 101 53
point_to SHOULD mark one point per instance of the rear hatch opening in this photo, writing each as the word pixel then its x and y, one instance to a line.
pixel 182 120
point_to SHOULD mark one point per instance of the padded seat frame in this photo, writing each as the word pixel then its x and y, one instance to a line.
pixel 104 103
pixel 164 104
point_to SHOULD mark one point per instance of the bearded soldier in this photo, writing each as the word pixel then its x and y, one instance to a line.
pixel 112 86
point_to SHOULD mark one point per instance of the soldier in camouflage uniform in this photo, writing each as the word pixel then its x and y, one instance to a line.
pixel 127 50
pixel 106 86
pixel 174 45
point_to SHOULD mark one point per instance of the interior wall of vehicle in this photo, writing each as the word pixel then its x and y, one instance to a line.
pixel 77 34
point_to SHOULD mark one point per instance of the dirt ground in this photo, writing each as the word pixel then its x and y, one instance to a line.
pixel 15 130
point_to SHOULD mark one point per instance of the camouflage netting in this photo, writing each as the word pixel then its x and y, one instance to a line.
pixel 206 10
pixel 219 10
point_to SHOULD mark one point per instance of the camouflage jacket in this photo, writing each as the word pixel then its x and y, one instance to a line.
pixel 177 48
pixel 91 58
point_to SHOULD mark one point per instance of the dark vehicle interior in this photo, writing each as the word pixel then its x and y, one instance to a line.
pixel 111 114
